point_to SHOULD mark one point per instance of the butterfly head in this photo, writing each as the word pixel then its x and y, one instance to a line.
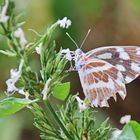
pixel 78 58
pixel 78 52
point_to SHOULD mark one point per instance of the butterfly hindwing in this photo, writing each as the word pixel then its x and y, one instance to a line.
pixel 100 81
pixel 125 58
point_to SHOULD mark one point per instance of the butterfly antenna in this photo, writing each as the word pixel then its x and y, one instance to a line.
pixel 72 40
pixel 85 38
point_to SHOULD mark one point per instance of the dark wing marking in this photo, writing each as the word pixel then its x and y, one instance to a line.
pixel 125 58
pixel 100 81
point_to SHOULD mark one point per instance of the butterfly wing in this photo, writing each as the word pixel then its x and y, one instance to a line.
pixel 100 81
pixel 125 58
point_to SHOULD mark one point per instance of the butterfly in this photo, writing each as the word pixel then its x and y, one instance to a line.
pixel 104 72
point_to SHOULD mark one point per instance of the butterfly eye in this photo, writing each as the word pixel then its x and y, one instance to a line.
pixel 78 52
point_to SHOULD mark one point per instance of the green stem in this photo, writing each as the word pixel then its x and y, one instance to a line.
pixel 31 49
pixel 58 120
pixel 5 31
pixel 43 39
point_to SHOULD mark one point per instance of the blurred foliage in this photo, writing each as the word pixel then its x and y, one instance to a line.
pixel 80 11
pixel 74 124
pixel 13 125
pixel 131 131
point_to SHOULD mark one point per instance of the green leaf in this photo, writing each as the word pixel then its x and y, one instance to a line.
pixel 10 105
pixel 131 131
pixel 1 1
pixel 61 91
pixel 8 53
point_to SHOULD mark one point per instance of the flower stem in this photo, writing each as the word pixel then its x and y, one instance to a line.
pixel 58 120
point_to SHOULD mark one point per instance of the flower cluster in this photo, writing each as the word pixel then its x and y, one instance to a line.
pixel 45 90
pixel 123 120
pixel 20 35
pixel 81 104
pixel 67 54
pixel 64 23
pixel 14 77
pixel 38 48
pixel 3 17
pixel 11 83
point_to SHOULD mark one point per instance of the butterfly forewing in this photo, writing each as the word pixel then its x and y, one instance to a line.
pixel 100 81
pixel 125 58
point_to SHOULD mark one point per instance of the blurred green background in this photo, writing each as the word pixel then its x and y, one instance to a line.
pixel 113 22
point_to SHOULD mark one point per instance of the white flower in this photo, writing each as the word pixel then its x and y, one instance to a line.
pixel 20 34
pixel 45 90
pixel 26 94
pixel 116 133
pixel 68 54
pixel 81 104
pixel 38 48
pixel 3 16
pixel 14 76
pixel 11 88
pixel 125 119
pixel 64 23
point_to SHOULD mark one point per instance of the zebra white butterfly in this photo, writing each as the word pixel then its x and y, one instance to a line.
pixel 104 71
